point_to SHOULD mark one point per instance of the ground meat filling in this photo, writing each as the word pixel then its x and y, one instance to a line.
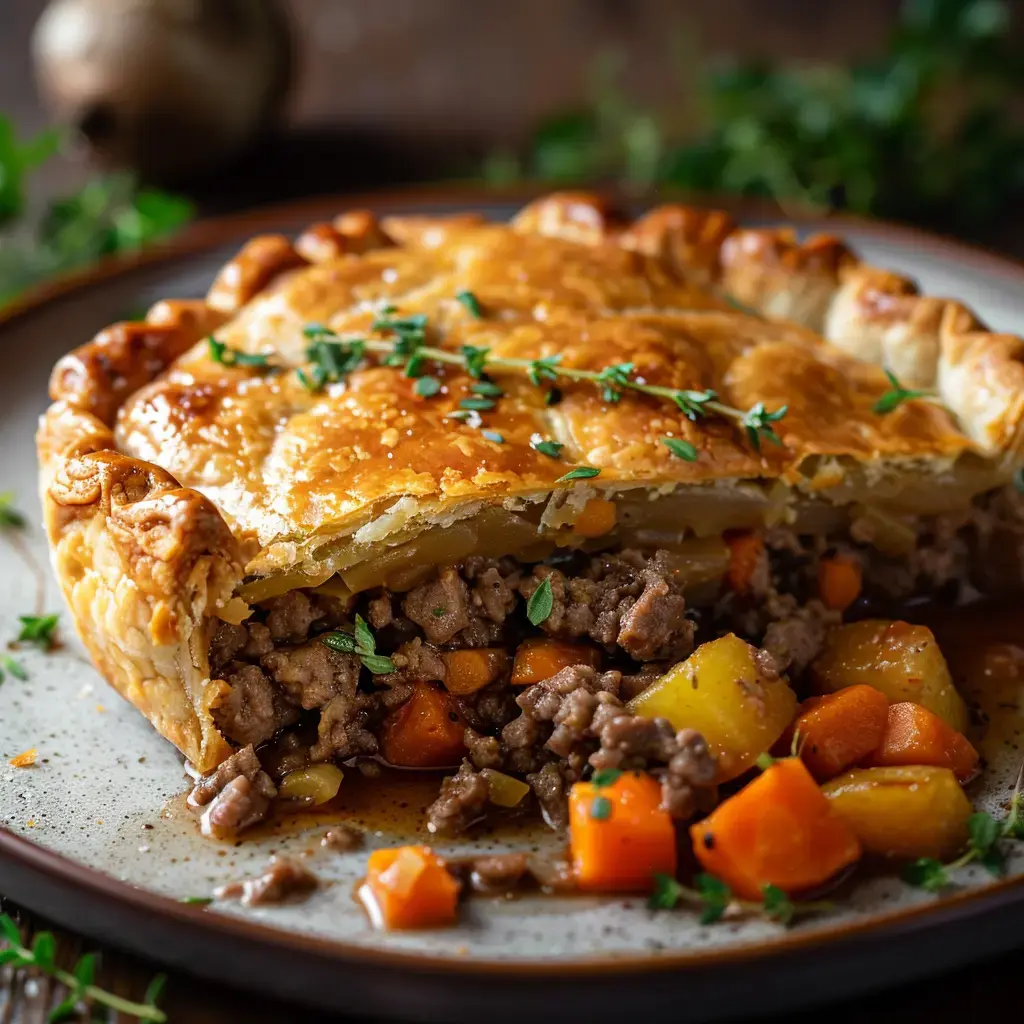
pixel 282 879
pixel 463 799
pixel 235 796
pixel 296 700
pixel 623 600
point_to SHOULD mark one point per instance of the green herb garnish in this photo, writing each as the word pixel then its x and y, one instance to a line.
pixel 475 360
pixel 552 449
pixel 9 515
pixel 38 629
pixel 408 348
pixel 477 404
pixel 984 838
pixel 757 423
pixel 471 302
pixel 600 808
pixel 897 395
pixel 427 387
pixel 221 353
pixel 606 777
pixel 877 136
pixel 493 435
pixel 362 643
pixel 680 448
pixel 579 473
pixel 79 981
pixel 197 901
pixel 486 387
pixel 541 602
pixel 713 897
pixel 15 668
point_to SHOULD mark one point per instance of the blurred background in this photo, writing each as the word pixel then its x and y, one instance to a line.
pixel 122 119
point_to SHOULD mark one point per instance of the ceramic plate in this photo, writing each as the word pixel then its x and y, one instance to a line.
pixel 94 835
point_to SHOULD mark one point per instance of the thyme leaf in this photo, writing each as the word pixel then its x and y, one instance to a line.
pixel 681 449
pixel 897 395
pixel 541 602
pixel 471 303
pixel 221 353
pixel 427 387
pixel 8 664
pixel 552 449
pixel 38 629
pixel 579 473
pixel 477 404
pixel 9 515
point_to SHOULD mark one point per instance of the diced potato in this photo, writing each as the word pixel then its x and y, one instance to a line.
pixel 314 785
pixel 907 812
pixel 721 692
pixel 901 660
pixel 505 790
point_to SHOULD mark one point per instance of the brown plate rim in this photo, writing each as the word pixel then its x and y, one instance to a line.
pixel 207 234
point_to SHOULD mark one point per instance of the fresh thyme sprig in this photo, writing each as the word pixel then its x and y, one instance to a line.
pixel 714 897
pixel 362 643
pixel 984 836
pixel 79 981
pixel 757 423
pixel 898 394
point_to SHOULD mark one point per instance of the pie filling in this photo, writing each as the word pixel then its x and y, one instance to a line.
pixel 468 667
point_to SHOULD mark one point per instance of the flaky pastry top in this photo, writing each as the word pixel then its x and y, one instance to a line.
pixel 686 297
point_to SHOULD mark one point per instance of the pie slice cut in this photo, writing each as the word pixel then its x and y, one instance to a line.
pixel 437 441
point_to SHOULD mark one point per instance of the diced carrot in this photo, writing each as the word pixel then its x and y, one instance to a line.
pixel 424 732
pixel 839 582
pixel 540 658
pixel 619 834
pixel 779 830
pixel 745 551
pixel 470 670
pixel 837 730
pixel 597 518
pixel 914 735
pixel 409 887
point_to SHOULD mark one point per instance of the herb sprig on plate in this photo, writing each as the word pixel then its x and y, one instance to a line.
pixel 713 898
pixel 79 981
pixel 985 835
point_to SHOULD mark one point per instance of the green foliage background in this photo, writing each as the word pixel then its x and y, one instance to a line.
pixel 923 132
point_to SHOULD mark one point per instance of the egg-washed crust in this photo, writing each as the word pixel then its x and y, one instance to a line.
pixel 167 477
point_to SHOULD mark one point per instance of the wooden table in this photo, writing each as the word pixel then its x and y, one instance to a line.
pixel 963 996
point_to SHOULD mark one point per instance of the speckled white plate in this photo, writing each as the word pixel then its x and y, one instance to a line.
pixel 88 839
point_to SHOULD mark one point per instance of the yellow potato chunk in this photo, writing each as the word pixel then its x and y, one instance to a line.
pixel 901 660
pixel 505 790
pixel 905 812
pixel 721 692
pixel 313 785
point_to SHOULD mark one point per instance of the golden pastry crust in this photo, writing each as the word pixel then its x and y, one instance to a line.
pixel 168 477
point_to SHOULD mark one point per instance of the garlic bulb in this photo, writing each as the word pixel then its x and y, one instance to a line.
pixel 169 88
